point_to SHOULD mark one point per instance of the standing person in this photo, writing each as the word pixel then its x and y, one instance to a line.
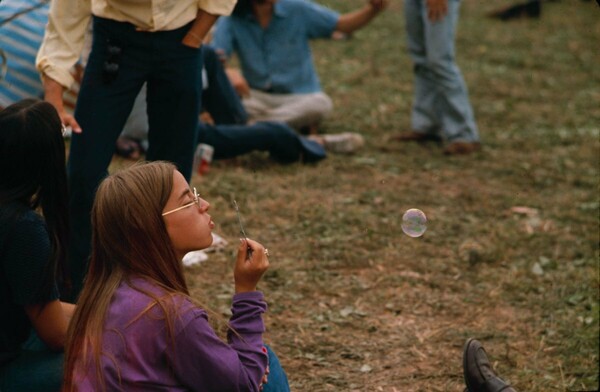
pixel 227 130
pixel 33 245
pixel 153 42
pixel 441 104
pixel 272 41
pixel 136 326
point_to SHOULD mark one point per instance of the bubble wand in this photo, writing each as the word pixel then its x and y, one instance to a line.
pixel 242 231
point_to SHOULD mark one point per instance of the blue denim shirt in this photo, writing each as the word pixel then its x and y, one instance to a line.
pixel 278 58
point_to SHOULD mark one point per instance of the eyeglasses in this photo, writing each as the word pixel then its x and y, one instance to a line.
pixel 196 201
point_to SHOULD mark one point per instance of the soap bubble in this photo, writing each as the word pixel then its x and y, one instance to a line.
pixel 414 223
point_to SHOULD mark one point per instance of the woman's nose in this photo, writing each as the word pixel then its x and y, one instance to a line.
pixel 204 205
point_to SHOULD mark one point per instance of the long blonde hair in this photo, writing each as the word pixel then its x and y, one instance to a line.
pixel 129 238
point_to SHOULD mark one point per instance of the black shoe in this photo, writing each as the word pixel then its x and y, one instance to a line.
pixel 478 373
pixel 531 9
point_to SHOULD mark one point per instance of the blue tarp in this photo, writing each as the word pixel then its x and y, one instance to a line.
pixel 20 39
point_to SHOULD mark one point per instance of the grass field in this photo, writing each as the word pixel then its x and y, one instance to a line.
pixel 356 305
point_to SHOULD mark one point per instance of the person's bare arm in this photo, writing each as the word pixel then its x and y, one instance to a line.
pixel 50 322
pixel 238 82
pixel 352 21
pixel 53 93
pixel 200 28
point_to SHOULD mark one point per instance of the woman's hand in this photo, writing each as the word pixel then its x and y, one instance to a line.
pixel 251 263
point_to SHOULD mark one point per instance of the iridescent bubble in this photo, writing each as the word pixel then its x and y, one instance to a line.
pixel 414 223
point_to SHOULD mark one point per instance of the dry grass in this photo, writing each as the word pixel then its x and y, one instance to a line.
pixel 355 305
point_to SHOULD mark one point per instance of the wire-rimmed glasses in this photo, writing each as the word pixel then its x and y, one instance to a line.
pixel 195 201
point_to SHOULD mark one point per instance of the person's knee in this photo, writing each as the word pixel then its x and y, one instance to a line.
pixel 444 69
pixel 323 105
pixel 277 377
pixel 316 108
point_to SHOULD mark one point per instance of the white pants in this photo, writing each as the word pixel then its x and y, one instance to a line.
pixel 296 110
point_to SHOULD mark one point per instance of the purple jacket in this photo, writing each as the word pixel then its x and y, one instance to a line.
pixel 138 355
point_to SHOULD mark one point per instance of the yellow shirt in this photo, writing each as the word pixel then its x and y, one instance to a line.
pixel 68 22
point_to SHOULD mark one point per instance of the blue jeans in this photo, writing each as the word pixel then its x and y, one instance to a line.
pixel 35 369
pixel 112 80
pixel 277 379
pixel 441 102
pixel 219 98
pixel 282 142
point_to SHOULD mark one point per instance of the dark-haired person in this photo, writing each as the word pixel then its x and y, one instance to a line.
pixel 33 243
pixel 136 327
pixel 134 42
pixel 271 39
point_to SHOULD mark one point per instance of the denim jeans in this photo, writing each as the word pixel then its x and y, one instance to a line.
pixel 277 379
pixel 282 142
pixel 219 98
pixel 441 101
pixel 35 369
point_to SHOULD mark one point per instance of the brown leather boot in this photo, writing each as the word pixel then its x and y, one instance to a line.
pixel 461 148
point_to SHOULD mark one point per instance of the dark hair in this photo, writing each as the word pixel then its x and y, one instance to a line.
pixel 32 163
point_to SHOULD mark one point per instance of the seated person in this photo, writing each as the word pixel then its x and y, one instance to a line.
pixel 226 129
pixel 33 242
pixel 136 327
pixel 271 40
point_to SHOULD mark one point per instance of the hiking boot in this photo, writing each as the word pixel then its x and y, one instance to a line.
pixel 342 143
pixel 461 148
pixel 414 136
pixel 478 372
